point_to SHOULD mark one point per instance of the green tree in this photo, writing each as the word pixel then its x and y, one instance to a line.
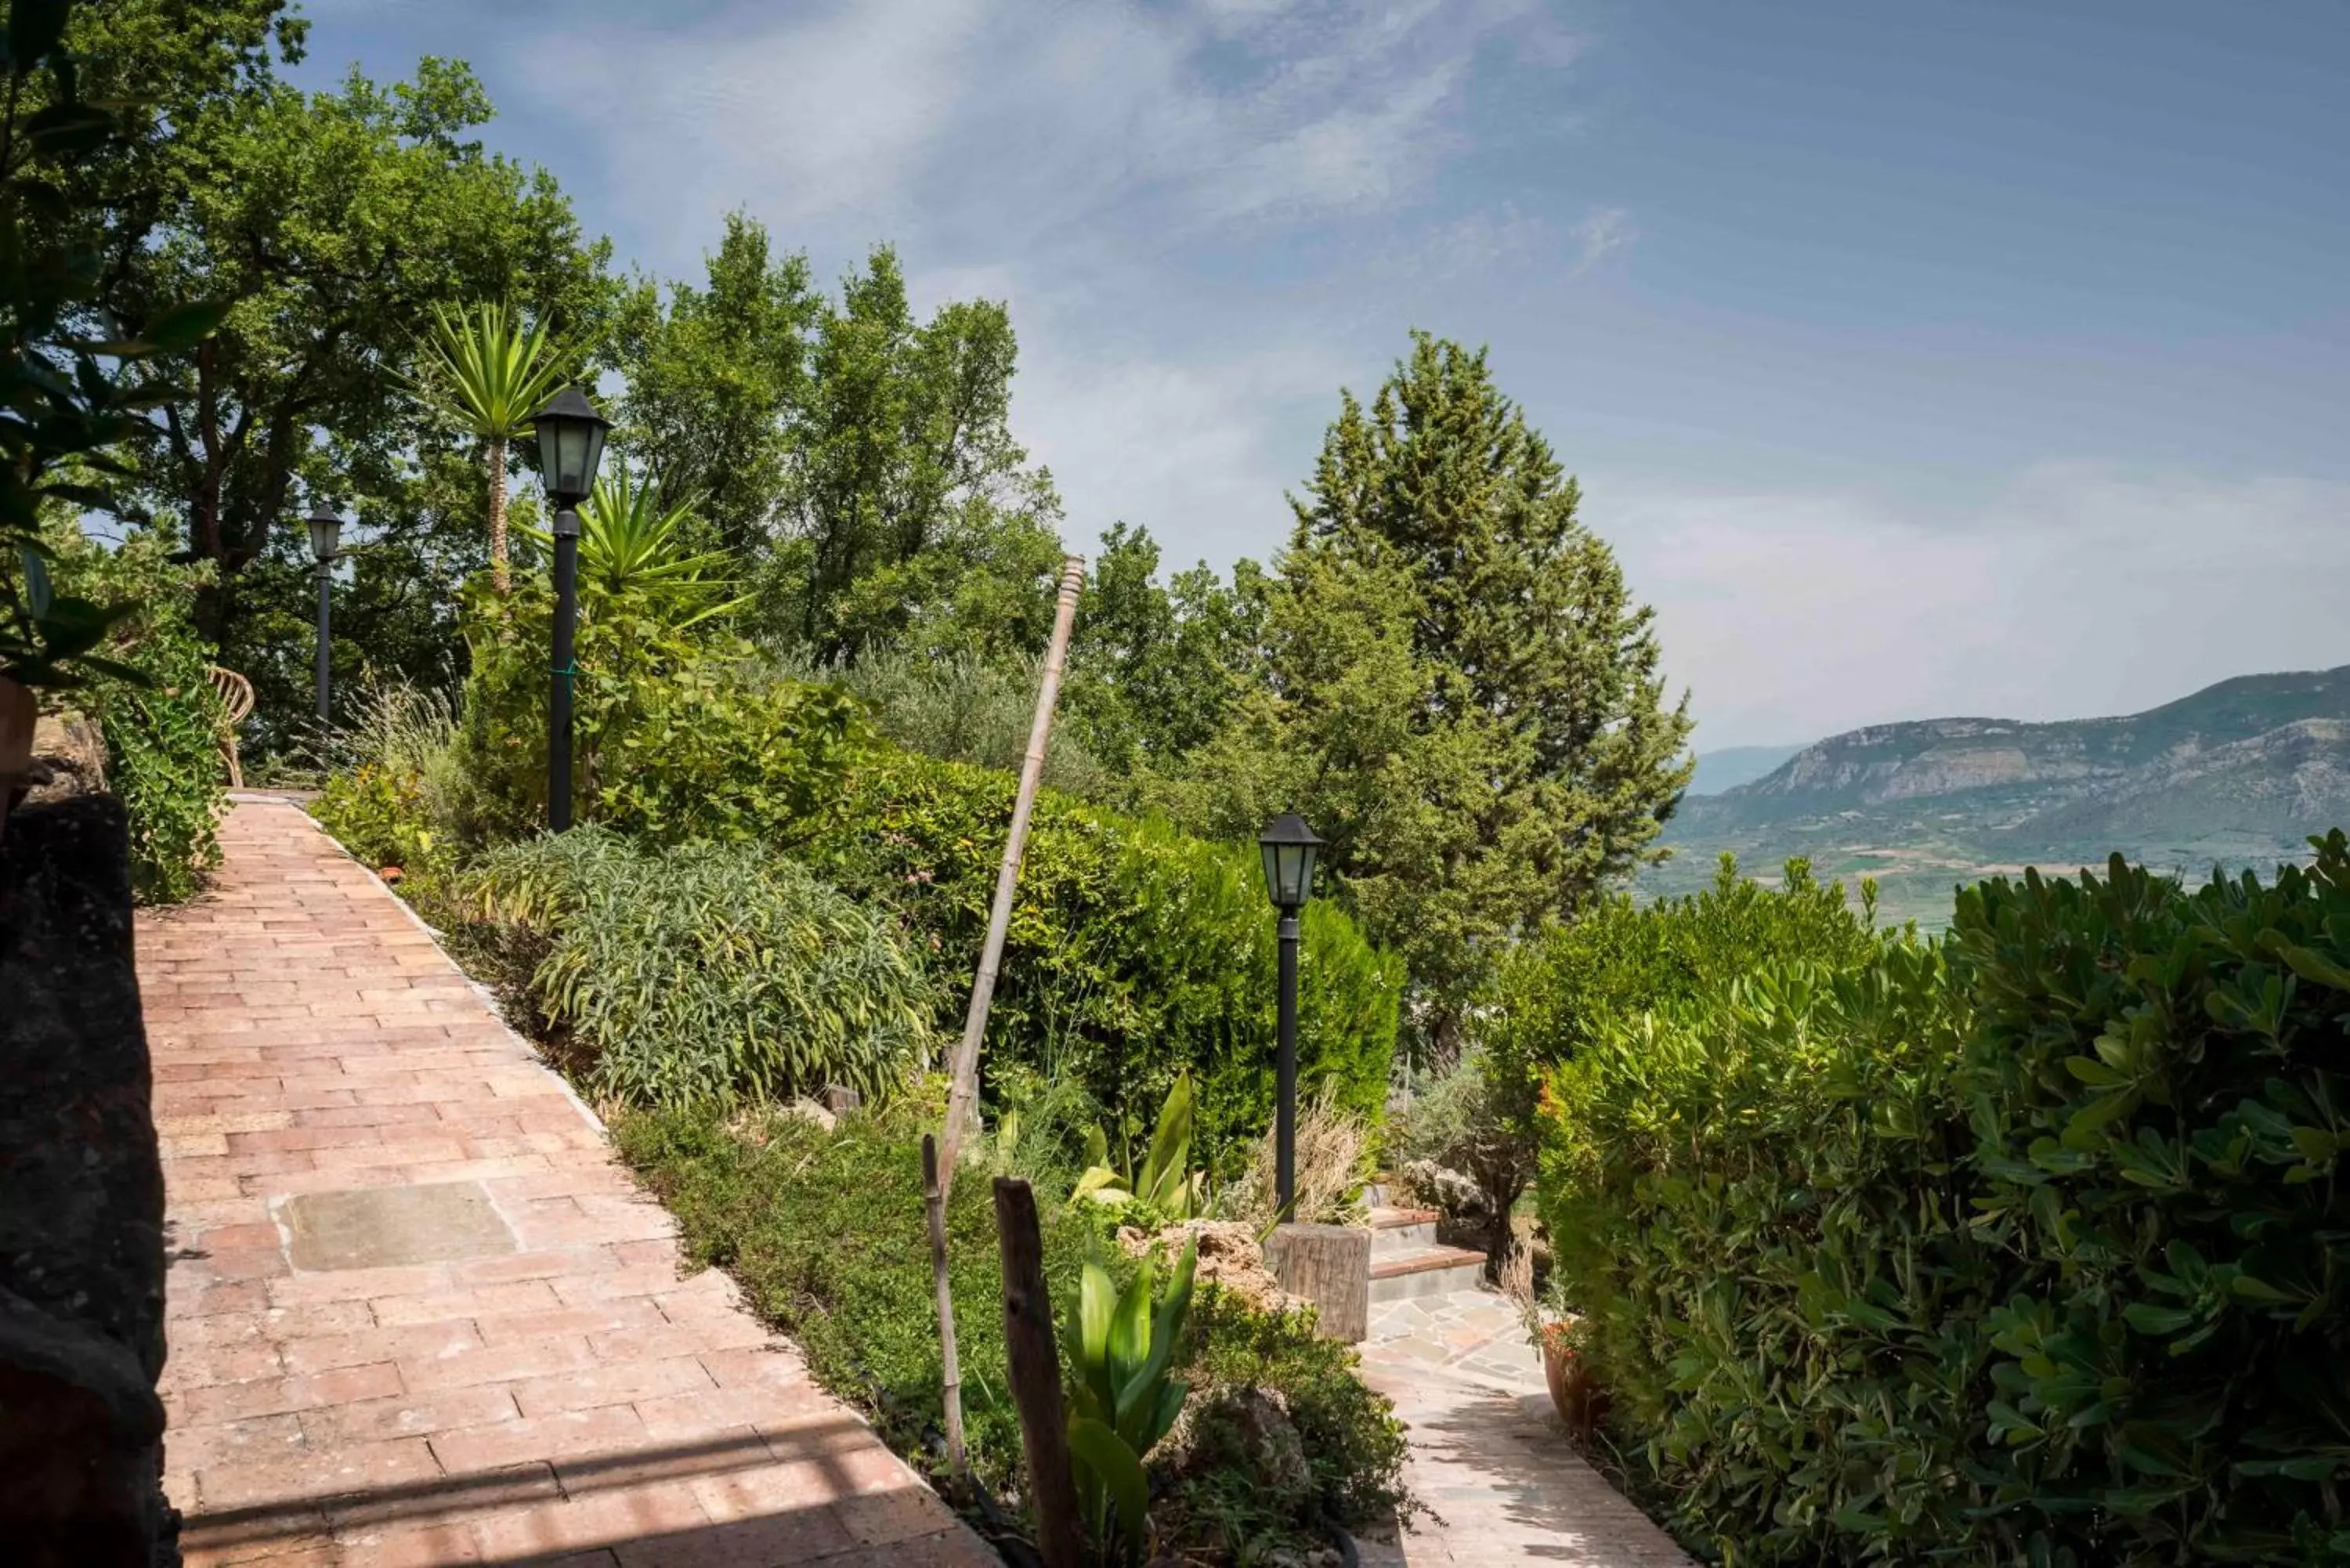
pixel 1459 691
pixel 337 223
pixel 1154 667
pixel 488 371
pixel 715 381
pixel 912 514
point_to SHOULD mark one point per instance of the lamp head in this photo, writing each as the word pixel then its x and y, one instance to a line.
pixel 570 446
pixel 326 533
pixel 1290 850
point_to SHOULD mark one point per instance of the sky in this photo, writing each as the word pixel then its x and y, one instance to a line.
pixel 1916 359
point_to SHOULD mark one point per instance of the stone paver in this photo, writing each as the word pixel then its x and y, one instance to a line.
pixel 540 1385
pixel 1488 1456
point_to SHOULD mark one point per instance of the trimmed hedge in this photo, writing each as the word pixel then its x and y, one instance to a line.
pixel 1136 953
pixel 2026 1247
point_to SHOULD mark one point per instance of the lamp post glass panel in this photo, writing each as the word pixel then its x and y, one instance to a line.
pixel 570 445
pixel 325 537
pixel 1290 850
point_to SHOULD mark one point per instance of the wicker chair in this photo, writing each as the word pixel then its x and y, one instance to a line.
pixel 237 706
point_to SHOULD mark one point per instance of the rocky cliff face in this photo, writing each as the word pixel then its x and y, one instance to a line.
pixel 2239 773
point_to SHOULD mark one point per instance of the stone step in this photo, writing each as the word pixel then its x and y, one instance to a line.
pixel 1396 1231
pixel 1433 1270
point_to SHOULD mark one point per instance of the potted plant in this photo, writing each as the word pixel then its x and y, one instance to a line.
pixel 1560 1336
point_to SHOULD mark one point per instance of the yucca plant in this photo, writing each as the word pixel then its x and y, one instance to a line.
pixel 1124 1400
pixel 487 371
pixel 1164 1182
pixel 632 540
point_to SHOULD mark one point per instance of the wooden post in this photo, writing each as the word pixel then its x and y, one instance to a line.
pixel 1330 1265
pixel 950 1385
pixel 962 1095
pixel 1034 1368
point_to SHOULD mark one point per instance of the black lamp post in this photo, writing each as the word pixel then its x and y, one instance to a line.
pixel 570 445
pixel 1289 849
pixel 325 533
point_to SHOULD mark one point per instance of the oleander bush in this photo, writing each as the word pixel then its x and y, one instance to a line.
pixel 706 973
pixel 2025 1247
pixel 1136 953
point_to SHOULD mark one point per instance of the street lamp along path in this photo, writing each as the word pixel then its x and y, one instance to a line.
pixel 1290 850
pixel 570 446
pixel 326 538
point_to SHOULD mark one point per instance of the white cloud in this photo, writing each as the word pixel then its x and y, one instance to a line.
pixel 1186 451
pixel 2079 589
pixel 992 121
pixel 1602 231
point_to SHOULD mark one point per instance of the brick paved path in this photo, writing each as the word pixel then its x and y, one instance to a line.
pixel 537 1383
pixel 1487 1455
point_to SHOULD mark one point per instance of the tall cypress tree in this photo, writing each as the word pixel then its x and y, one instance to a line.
pixel 1461 692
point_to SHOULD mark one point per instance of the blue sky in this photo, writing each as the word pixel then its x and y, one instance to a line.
pixel 1917 359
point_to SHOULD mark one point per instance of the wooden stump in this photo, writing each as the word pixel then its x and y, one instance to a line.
pixel 1330 1265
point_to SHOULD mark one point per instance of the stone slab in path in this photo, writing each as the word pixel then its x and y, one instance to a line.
pixel 417 1313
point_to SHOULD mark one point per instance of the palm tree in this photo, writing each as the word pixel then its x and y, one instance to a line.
pixel 487 372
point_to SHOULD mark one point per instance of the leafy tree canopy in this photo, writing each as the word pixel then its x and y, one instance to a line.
pixel 715 381
pixel 1458 689
pixel 1154 667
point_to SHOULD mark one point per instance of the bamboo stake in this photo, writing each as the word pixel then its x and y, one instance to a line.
pixel 951 1387
pixel 963 1096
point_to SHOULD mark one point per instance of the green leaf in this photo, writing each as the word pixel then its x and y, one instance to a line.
pixel 2093 1073
pixel 183 327
pixel 37 593
pixel 1106 1456
pixel 2148 1318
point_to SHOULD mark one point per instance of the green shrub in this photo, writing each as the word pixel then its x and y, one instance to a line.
pixel 1623 959
pixel 392 790
pixel 2157 1085
pixel 1741 1190
pixel 1458 1119
pixel 2025 1248
pixel 1135 953
pixel 1355 1448
pixel 826 1234
pixel 962 706
pixel 162 719
pixel 673 736
pixel 708 972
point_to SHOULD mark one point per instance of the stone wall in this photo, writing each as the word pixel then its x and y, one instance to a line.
pixel 81 1204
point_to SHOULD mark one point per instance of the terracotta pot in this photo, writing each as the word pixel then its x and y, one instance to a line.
pixel 18 714
pixel 1582 1403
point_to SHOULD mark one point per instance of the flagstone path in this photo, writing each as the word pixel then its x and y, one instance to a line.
pixel 1488 1457
pixel 418 1314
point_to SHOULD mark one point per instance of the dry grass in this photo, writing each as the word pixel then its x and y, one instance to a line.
pixel 1333 1150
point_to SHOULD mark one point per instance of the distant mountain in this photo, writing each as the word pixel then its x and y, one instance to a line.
pixel 2238 774
pixel 1733 766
